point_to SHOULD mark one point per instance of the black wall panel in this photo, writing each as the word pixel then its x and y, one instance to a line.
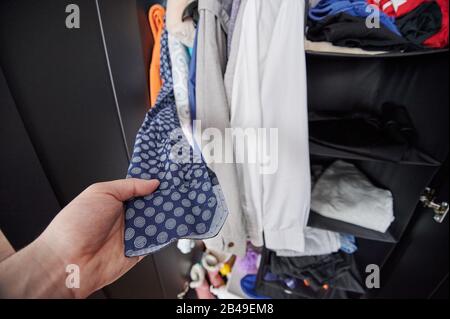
pixel 60 81
pixel 27 201
pixel 126 57
pixel 419 264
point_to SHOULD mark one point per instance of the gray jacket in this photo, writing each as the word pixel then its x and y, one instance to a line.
pixel 213 111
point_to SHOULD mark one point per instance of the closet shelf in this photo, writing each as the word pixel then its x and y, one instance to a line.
pixel 415 157
pixel 372 56
pixel 318 221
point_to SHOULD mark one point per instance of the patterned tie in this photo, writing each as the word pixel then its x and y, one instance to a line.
pixel 189 203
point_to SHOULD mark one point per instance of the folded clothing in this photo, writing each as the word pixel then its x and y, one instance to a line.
pixel 319 273
pixel 189 202
pixel 330 48
pixel 440 39
pixel 183 30
pixel 396 8
pixel 388 136
pixel 344 193
pixel 317 242
pixel 421 23
pixel 277 287
pixel 346 30
pixel 357 8
pixel 348 243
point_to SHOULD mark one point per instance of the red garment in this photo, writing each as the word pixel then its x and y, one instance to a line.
pixel 440 39
pixel 396 8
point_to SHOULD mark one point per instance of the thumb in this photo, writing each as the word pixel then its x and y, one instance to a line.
pixel 124 189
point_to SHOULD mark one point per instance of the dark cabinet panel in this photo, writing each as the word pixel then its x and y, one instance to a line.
pixel 27 201
pixel 419 263
pixel 442 292
pixel 141 282
pixel 60 81
pixel 126 57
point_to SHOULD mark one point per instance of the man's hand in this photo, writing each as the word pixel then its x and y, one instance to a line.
pixel 89 233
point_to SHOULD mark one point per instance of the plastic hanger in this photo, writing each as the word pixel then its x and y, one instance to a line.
pixel 191 12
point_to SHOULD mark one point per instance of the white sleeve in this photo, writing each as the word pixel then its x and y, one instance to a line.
pixel 284 105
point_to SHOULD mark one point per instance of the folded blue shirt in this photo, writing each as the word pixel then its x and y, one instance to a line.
pixel 189 202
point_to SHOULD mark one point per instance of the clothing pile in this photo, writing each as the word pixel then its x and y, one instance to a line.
pixel 389 136
pixel 377 26
pixel 320 277
pixel 223 74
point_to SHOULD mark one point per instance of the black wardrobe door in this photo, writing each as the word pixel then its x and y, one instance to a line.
pixel 27 201
pixel 419 265
pixel 129 64
pixel 62 87
pixel 60 81
pixel 442 291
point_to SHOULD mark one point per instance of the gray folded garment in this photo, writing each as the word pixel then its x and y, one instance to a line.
pixel 317 242
pixel 344 193
pixel 327 47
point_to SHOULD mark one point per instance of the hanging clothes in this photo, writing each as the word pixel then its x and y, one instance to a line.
pixel 233 51
pixel 189 203
pixel 192 81
pixel 269 91
pixel 213 112
pixel 183 31
pixel 156 20
pixel 232 23
pixel 179 58
pixel 252 231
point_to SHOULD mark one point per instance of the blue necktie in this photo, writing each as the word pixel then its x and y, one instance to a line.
pixel 189 202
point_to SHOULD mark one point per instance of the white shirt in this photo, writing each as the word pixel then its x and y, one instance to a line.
pixel 269 91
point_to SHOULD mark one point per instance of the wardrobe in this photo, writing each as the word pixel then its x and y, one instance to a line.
pixel 72 100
